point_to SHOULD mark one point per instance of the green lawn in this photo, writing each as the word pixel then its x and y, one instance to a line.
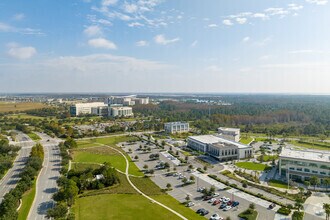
pixel 20 106
pixel 177 206
pixel 146 185
pixel 27 201
pixel 252 166
pixel 25 116
pixel 268 157
pixel 247 216
pixel 311 145
pixel 119 206
pixel 83 166
pixel 116 160
pixel 277 183
pixel 244 140
pixel 34 136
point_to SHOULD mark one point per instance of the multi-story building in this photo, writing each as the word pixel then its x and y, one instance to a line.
pixel 300 165
pixel 126 100
pixel 229 133
pixel 176 127
pixel 85 108
pixel 220 148
pixel 120 111
pixel 100 110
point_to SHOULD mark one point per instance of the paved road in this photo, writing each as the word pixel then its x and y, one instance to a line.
pixel 46 183
pixel 11 178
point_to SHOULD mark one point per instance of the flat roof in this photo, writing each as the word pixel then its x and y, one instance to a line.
pixel 212 139
pixel 314 155
pixel 229 129
pixel 175 122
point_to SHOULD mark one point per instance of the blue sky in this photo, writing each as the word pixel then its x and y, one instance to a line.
pixel 253 46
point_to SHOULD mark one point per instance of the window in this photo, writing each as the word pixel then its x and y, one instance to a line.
pixel 307 170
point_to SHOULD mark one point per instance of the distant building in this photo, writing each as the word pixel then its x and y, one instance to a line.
pixel 300 165
pixel 85 108
pixel 126 100
pixel 120 111
pixel 100 110
pixel 220 148
pixel 230 133
pixel 176 127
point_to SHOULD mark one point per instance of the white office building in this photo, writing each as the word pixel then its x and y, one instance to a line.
pixel 126 100
pixel 176 127
pixel 300 165
pixel 85 108
pixel 120 111
pixel 230 133
pixel 220 148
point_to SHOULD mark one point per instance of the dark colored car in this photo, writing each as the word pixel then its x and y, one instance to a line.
pixel 235 203
pixel 204 212
pixel 216 202
pixel 223 205
pixel 207 198
pixel 229 203
pixel 271 206
pixel 199 211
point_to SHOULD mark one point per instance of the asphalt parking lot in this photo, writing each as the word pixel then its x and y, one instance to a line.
pixel 180 192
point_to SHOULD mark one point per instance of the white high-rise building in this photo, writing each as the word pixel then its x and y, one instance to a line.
pixel 230 133
pixel 85 108
pixel 176 127
pixel 120 111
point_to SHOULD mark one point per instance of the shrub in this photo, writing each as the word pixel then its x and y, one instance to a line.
pixel 284 211
pixel 297 215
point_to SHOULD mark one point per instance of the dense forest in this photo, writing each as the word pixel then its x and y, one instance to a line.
pixel 290 115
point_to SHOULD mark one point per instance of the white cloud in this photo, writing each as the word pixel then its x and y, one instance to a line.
pixel 19 16
pixel 160 39
pixel 135 24
pixel 21 53
pixel 212 25
pixel 227 22
pixel 318 2
pixel 241 20
pixel 142 43
pixel 102 43
pixel 264 42
pixel 130 8
pixel 108 2
pixel 295 7
pixel 26 31
pixel 93 31
pixel 246 39
pixel 306 52
pixel 194 44
pixel 260 15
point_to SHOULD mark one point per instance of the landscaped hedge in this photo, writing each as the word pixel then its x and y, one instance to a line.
pixel 297 215
pixel 284 211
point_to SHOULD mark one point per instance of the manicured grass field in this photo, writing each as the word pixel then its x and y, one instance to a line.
pixel 311 145
pixel 268 158
pixel 116 160
pixel 83 166
pixel 146 185
pixel 247 140
pixel 252 166
pixel 27 201
pixel 247 216
pixel 177 206
pixel 34 136
pixel 23 106
pixel 119 206
pixel 277 183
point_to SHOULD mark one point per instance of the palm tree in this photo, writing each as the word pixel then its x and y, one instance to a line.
pixel 327 182
pixel 326 208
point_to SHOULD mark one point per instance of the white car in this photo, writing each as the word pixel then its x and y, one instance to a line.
pixel 216 194
pixel 190 204
pixel 216 217
pixel 200 189
pixel 228 207
pixel 225 200
pixel 212 200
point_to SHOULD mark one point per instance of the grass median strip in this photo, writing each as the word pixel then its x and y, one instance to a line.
pixel 27 200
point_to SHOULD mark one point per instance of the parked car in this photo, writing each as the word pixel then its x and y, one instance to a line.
pixel 271 206
pixel 216 202
pixel 204 212
pixel 200 189
pixel 216 194
pixel 235 203
pixel 207 198
pixel 199 210
pixel 226 200
pixel 222 206
pixel 216 217
pixel 189 204
pixel 212 200
pixel 228 207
